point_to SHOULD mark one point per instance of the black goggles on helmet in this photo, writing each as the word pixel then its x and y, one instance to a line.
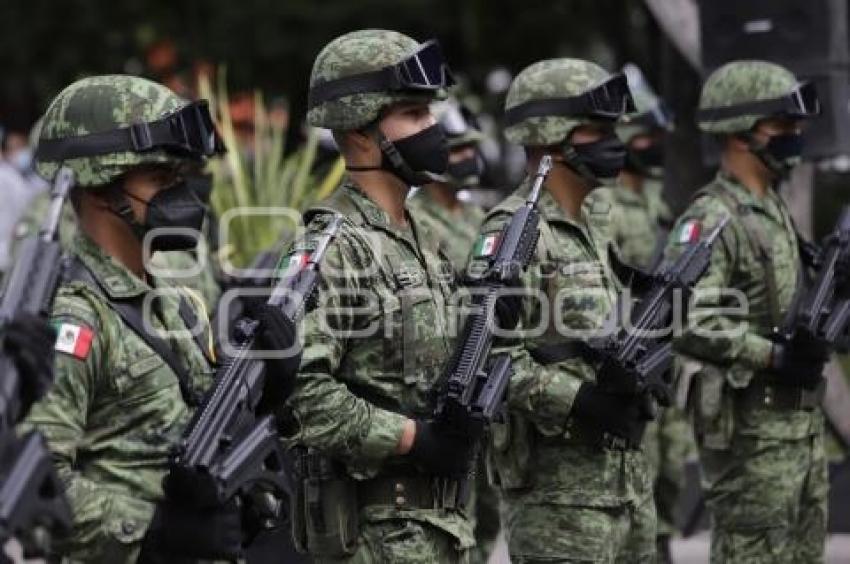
pixel 608 101
pixel 802 102
pixel 425 70
pixel 187 132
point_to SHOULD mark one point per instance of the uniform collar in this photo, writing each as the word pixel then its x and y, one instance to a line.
pixel 550 210
pixel 113 277
pixel 372 214
pixel 628 197
pixel 746 198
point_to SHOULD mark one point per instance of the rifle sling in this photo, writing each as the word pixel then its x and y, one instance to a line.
pixel 130 311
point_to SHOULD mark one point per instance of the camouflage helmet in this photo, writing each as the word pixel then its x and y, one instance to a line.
pixel 554 79
pixel 360 54
pixel 100 104
pixel 749 87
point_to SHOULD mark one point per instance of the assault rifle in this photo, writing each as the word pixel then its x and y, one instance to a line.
pixel 30 492
pixel 474 383
pixel 227 448
pixel 642 349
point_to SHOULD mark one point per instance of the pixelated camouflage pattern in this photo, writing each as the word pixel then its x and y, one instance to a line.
pixel 739 82
pixel 637 220
pixel 456 231
pixel 668 441
pixel 767 499
pixel 355 53
pixel 112 418
pixel 763 467
pixel 103 103
pixel 353 393
pixel 552 486
pixel 552 78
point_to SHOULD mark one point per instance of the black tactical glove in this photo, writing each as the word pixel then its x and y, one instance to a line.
pixel 278 333
pixel 799 362
pixel 617 414
pixel 180 531
pixel 29 341
pixel 442 452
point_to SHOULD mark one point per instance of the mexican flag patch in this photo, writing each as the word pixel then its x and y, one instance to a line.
pixel 689 232
pixel 294 262
pixel 74 339
pixel 486 245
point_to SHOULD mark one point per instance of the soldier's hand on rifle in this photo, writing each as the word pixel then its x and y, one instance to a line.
pixel 441 451
pixel 279 333
pixel 617 414
pixel 799 362
pixel 181 530
pixel 29 340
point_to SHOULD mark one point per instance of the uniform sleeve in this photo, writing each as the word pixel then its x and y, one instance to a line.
pixel 543 394
pixel 717 331
pixel 62 415
pixel 327 415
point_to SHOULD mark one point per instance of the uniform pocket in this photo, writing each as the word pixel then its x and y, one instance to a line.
pixel 126 522
pixel 712 408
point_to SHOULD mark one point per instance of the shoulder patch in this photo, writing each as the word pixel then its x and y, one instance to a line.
pixel 689 232
pixel 486 244
pixel 73 339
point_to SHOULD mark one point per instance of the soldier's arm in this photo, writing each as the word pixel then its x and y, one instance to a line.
pixel 543 394
pixel 324 413
pixel 717 330
pixel 62 416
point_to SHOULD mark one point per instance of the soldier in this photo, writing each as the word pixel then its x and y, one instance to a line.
pixel 575 485
pixel 754 402
pixel 128 371
pixel 642 221
pixel 378 478
pixel 455 224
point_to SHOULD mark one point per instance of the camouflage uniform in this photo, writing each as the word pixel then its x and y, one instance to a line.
pixel 373 350
pixel 380 378
pixel 457 230
pixel 115 410
pixel 566 499
pixel 642 220
pixel 763 460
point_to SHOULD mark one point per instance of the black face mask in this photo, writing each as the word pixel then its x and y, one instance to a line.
pixel 417 159
pixel 780 154
pixel 644 160
pixel 599 161
pixel 465 173
pixel 201 185
pixel 173 207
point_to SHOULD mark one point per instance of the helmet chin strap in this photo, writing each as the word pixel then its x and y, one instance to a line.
pixel 760 150
pixel 573 162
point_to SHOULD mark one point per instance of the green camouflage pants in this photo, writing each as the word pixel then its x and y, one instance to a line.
pixel 668 444
pixel 403 541
pixel 767 499
pixel 556 533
